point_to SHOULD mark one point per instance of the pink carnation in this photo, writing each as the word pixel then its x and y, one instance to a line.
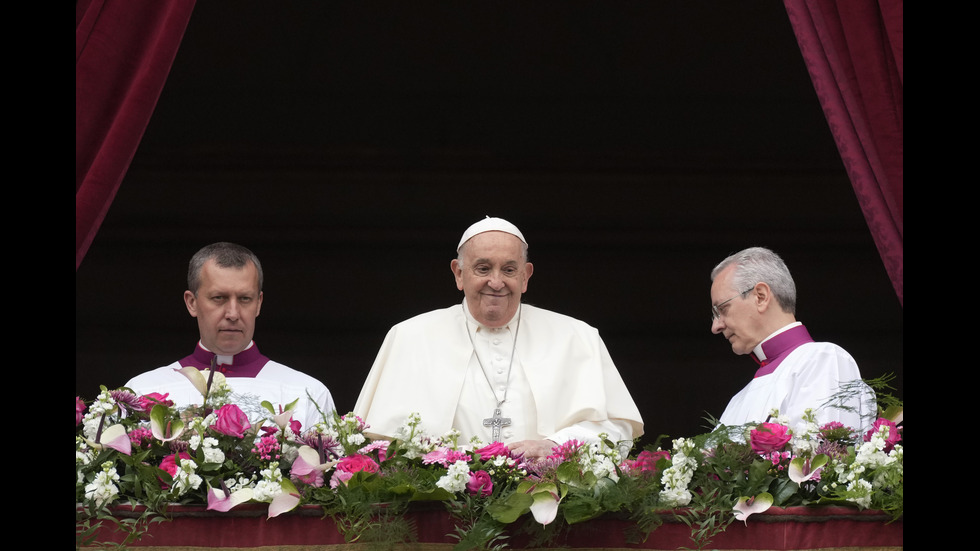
pixel 340 477
pixel 231 420
pixel 380 445
pixel 769 437
pixel 479 484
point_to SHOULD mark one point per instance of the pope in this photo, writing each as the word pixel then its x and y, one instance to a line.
pixel 495 368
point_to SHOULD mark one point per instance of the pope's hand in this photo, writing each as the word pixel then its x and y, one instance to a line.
pixel 532 449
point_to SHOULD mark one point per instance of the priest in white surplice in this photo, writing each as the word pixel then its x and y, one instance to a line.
pixel 496 369
pixel 753 305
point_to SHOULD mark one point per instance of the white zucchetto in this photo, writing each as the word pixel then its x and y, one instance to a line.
pixel 490 224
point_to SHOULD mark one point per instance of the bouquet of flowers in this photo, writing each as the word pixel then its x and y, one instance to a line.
pixel 144 451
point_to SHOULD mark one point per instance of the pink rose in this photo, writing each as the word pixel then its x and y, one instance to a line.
pixel 357 463
pixel 493 450
pixel 79 410
pixel 479 484
pixel 231 420
pixel 147 401
pixel 894 435
pixel 769 437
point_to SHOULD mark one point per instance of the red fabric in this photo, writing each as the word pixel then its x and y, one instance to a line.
pixel 854 51
pixel 246 527
pixel 123 54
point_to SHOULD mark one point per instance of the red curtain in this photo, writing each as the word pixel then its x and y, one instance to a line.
pixel 123 54
pixel 854 52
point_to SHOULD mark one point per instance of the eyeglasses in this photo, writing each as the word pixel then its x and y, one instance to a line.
pixel 716 308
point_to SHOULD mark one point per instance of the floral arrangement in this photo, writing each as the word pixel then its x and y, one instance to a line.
pixel 142 450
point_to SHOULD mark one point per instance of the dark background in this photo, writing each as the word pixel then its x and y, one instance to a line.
pixel 349 145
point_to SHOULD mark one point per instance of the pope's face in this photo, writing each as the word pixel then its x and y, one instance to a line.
pixel 226 306
pixel 493 276
pixel 739 321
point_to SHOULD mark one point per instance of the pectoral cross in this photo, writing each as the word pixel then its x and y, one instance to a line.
pixel 495 423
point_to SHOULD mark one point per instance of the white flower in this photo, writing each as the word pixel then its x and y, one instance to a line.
pixel 455 478
pixel 186 479
pixel 270 485
pixel 677 477
pixel 103 488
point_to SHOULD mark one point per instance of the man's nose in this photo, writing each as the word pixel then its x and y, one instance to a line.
pixel 717 325
pixel 496 281
pixel 231 310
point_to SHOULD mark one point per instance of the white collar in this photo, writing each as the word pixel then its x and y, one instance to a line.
pixel 759 353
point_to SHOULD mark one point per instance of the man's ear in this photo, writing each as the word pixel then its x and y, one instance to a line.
pixel 457 273
pixel 762 295
pixel 191 302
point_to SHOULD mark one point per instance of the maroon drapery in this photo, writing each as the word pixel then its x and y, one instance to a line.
pixel 854 51
pixel 123 54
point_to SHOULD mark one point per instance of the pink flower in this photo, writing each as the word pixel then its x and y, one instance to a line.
pixel 169 464
pixel 140 436
pixel 496 449
pixel 79 410
pixel 267 448
pixel 231 420
pixel 340 477
pixel 147 401
pixel 357 463
pixel 646 461
pixel 479 484
pixel 769 437
pixel 380 445
pixel 313 478
pixel 295 426
pixel 567 451
pixel 444 457
pixel 894 435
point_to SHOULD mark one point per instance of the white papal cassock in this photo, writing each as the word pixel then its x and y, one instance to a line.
pixel 561 386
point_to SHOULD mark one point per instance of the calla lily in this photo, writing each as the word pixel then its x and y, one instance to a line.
pixel 750 505
pixel 282 418
pixel 114 437
pixel 197 378
pixel 220 499
pixel 163 428
pixel 545 505
pixel 802 469
pixel 286 501
pixel 308 461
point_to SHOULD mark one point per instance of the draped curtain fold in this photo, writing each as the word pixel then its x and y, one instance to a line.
pixel 123 53
pixel 854 52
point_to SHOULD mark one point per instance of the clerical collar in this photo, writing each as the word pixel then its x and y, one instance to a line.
pixel 246 363
pixel 480 327
pixel 771 351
